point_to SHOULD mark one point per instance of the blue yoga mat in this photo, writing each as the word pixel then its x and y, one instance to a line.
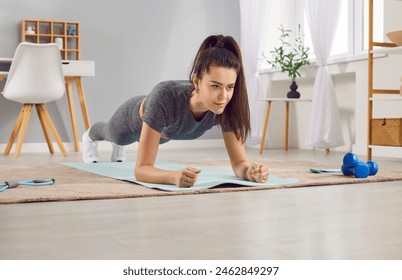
pixel 323 170
pixel 208 178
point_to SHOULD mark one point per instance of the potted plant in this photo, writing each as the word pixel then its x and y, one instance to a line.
pixel 290 58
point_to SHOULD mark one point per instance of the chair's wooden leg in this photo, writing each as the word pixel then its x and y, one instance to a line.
pixel 44 128
pixel 49 123
pixel 15 132
pixel 23 129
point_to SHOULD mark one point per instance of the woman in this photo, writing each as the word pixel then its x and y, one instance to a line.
pixel 215 95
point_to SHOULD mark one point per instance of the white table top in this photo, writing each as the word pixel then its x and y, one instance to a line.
pixel 286 99
pixel 70 67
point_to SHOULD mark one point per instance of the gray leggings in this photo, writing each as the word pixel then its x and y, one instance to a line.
pixel 124 127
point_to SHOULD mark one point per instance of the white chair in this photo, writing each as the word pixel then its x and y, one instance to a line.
pixel 35 78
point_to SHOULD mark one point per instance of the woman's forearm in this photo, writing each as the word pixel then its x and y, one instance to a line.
pixel 240 170
pixel 182 178
pixel 155 175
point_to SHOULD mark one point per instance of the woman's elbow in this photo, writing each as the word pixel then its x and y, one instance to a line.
pixel 137 173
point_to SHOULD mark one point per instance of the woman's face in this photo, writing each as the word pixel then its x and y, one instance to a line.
pixel 216 88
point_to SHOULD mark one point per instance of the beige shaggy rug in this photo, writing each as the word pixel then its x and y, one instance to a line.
pixel 73 184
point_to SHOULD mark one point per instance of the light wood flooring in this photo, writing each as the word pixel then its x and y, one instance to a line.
pixel 361 221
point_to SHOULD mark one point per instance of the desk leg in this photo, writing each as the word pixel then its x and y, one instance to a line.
pixel 265 126
pixel 70 99
pixel 81 96
pixel 287 127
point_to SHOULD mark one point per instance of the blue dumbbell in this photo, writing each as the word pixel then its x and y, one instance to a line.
pixel 350 159
pixel 353 166
pixel 359 170
pixel 373 167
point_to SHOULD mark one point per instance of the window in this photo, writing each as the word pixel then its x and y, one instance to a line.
pixel 352 30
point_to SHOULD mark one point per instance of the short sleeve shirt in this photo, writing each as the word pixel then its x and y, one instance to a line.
pixel 167 110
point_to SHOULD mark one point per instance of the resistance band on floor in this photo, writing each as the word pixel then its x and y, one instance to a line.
pixel 33 182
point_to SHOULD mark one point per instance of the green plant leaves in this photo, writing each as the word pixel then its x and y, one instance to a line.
pixel 289 57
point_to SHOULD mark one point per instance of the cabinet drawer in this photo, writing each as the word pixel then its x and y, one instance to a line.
pixel 78 68
pixel 386 132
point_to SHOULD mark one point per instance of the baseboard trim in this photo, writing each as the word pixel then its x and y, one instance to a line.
pixel 106 146
pixel 392 152
pixel 379 151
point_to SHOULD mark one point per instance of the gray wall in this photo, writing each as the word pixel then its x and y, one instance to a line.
pixel 135 44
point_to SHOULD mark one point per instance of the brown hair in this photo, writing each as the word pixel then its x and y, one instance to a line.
pixel 223 51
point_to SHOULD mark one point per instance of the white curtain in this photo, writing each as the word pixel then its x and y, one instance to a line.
pixel 325 128
pixel 252 16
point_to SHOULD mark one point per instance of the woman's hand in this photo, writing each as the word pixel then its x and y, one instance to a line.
pixel 257 173
pixel 186 177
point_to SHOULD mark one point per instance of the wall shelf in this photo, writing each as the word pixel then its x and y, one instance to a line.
pixel 47 31
pixel 386 98
pixel 389 50
pixel 375 94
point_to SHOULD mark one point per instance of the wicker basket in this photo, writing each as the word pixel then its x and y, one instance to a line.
pixel 386 132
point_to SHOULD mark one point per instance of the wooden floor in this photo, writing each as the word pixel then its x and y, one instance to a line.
pixel 362 221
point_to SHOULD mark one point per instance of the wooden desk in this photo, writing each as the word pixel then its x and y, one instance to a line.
pixel 269 101
pixel 73 70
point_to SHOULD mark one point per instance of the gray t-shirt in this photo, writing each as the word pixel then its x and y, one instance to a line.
pixel 167 110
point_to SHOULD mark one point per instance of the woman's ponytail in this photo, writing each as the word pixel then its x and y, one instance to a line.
pixel 223 51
